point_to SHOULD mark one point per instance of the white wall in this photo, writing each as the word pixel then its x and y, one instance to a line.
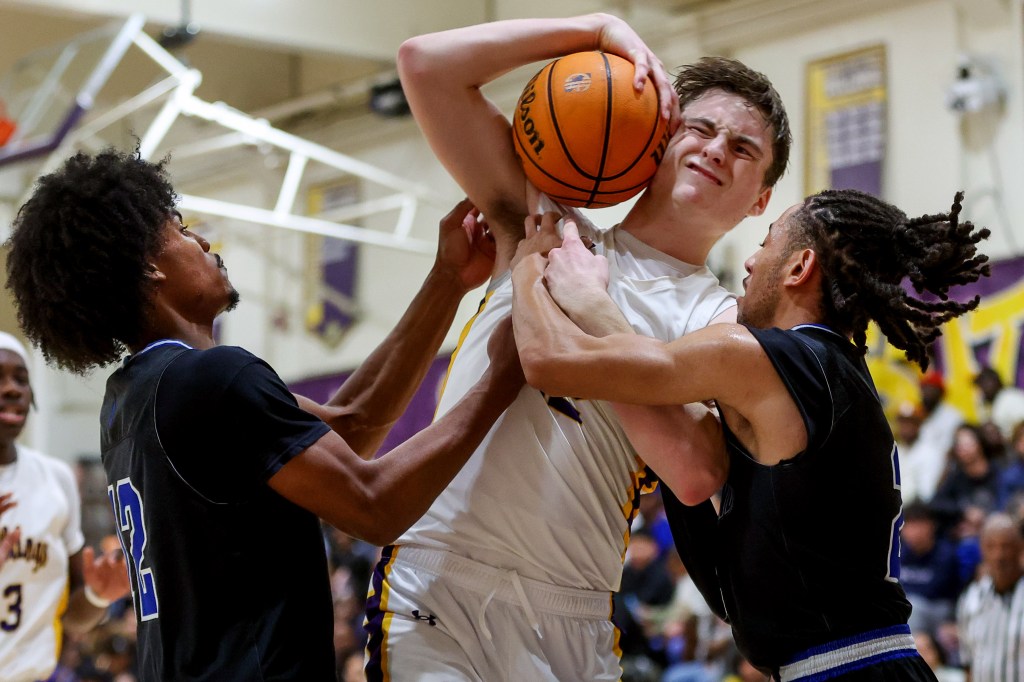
pixel 928 156
pixel 931 153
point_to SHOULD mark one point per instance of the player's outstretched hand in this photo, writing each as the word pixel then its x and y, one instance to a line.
pixel 106 575
pixel 573 270
pixel 619 38
pixel 465 246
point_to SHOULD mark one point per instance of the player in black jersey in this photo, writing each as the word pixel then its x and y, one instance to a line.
pixel 216 473
pixel 802 557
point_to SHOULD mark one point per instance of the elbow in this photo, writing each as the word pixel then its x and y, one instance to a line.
pixel 542 371
pixel 380 537
pixel 413 60
pixel 532 370
pixel 697 490
pixel 696 481
pixel 374 525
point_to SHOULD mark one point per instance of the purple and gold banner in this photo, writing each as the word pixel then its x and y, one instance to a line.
pixel 845 124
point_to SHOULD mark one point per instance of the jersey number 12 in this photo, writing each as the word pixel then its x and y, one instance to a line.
pixel 127 505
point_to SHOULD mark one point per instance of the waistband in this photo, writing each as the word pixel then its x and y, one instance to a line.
pixel 850 653
pixel 497 583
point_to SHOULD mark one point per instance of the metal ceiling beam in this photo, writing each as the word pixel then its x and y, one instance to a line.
pixel 175 98
pixel 371 30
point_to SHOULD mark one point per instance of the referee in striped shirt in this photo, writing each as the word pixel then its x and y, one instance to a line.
pixel 990 613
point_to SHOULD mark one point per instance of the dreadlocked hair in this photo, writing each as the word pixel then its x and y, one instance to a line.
pixel 80 254
pixel 869 250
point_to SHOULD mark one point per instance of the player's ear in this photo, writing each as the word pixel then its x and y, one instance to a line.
pixel 761 203
pixel 803 264
pixel 155 274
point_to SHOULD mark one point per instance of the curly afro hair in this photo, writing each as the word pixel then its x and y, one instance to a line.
pixel 80 255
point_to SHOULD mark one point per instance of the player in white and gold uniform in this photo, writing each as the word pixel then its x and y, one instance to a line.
pixel 34 579
pixel 540 514
pixel 43 579
pixel 510 574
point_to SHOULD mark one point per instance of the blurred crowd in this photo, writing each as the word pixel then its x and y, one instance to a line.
pixel 963 490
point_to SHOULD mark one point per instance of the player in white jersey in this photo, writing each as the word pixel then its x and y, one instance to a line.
pixel 550 450
pixel 509 574
pixel 43 580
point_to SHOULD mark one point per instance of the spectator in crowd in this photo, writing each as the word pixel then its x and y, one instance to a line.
pixel 924 460
pixel 1002 404
pixel 646 588
pixel 929 570
pixel 994 442
pixel 651 515
pixel 921 466
pixel 935 656
pixel 990 613
pixel 966 495
pixel 970 489
pixel 699 644
pixel 941 419
pixel 1011 478
pixel 50 579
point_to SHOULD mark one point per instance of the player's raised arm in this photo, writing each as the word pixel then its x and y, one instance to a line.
pixel 442 75
pixel 367 405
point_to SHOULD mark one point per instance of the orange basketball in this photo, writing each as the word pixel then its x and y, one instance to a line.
pixel 584 135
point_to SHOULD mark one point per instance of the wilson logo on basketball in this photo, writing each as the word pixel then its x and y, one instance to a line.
pixel 577 82
pixel 526 121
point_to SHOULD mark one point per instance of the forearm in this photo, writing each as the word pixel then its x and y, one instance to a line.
pixel 367 405
pixel 545 336
pixel 595 313
pixel 82 615
pixel 683 444
pixel 472 56
pixel 409 478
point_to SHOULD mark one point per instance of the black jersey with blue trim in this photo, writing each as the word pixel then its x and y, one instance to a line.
pixel 806 551
pixel 229 579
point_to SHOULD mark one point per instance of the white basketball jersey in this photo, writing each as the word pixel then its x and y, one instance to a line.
pixel 554 485
pixel 34 580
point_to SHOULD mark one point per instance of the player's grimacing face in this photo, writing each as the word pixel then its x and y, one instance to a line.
pixel 717 158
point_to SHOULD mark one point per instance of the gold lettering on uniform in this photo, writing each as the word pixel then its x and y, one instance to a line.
pixel 36 552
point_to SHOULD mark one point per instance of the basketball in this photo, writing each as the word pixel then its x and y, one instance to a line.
pixel 584 135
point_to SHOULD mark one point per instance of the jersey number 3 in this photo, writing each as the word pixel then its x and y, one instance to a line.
pixel 127 505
